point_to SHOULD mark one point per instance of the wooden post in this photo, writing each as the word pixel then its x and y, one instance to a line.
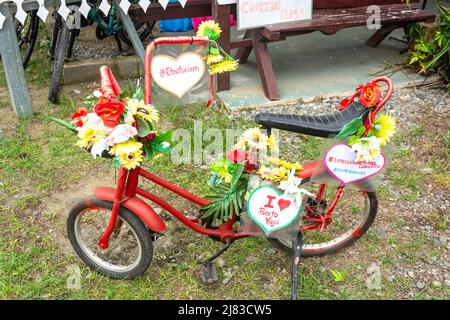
pixel 221 14
pixel 12 64
pixel 265 67
pixel 132 34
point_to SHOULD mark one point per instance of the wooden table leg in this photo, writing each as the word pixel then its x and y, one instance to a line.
pixel 380 35
pixel 132 34
pixel 221 14
pixel 243 52
pixel 265 67
pixel 12 64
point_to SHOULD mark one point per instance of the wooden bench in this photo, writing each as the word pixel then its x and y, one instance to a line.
pixel 328 17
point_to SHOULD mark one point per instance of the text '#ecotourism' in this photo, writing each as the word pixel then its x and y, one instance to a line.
pixel 171 71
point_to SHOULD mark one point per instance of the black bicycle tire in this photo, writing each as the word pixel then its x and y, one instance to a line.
pixel 33 34
pixel 142 36
pixel 58 62
pixel 363 228
pixel 141 230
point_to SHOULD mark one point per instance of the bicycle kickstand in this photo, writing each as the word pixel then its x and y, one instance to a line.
pixel 209 269
pixel 296 246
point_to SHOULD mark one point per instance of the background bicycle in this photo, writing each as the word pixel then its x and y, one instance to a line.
pixel 64 36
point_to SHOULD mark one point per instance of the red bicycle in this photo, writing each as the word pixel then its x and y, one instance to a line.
pixel 113 231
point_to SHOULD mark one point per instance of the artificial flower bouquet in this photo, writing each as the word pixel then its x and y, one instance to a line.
pixel 114 126
pixel 367 141
pixel 246 168
pixel 218 60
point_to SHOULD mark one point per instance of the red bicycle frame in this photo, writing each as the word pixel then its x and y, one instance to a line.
pixel 127 190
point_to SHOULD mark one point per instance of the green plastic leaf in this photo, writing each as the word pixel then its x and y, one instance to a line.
pixel 116 162
pixel 219 166
pixel 352 140
pixel 139 94
pixel 349 128
pixel 65 124
pixel 236 176
pixel 361 131
pixel 338 276
pixel 214 35
pixel 143 127
pixel 214 50
pixel 163 137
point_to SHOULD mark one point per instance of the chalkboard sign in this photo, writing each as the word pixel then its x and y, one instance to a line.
pixel 258 13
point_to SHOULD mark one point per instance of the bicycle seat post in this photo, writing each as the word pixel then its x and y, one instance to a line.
pixel 296 246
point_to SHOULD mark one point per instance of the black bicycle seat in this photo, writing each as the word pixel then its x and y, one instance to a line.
pixel 319 126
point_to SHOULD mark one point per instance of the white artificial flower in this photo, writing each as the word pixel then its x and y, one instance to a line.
pixel 95 120
pixel 98 147
pixel 367 149
pixel 97 93
pixel 290 187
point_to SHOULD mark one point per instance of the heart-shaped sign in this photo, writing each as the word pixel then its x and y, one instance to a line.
pixel 178 75
pixel 341 163
pixel 271 210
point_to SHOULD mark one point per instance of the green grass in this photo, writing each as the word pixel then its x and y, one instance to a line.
pixel 38 161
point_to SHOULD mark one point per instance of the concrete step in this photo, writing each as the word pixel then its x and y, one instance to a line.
pixel 81 71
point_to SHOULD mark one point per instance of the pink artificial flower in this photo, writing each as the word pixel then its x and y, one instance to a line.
pixel 121 133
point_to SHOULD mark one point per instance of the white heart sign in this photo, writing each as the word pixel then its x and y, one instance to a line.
pixel 341 163
pixel 178 75
pixel 271 210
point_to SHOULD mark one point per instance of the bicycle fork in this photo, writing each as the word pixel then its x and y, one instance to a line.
pixel 297 247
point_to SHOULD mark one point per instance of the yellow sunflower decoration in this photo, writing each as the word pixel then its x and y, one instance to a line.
pixel 274 174
pixel 383 128
pixel 217 59
pixel 285 164
pixel 137 108
pixel 89 135
pixel 129 153
pixel 209 29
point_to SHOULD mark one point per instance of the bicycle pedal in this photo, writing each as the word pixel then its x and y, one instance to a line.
pixel 209 273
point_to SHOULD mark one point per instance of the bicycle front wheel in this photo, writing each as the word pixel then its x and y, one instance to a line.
pixel 352 217
pixel 130 248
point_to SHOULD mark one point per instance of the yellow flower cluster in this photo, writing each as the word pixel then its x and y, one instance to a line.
pixel 129 153
pixel 205 26
pixel 255 139
pixel 137 108
pixel 89 135
pixel 383 128
pixel 285 164
pixel 226 65
pixel 214 58
pixel 274 174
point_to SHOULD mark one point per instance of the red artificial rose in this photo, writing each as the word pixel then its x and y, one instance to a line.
pixel 151 135
pixel 110 110
pixel 370 95
pixel 76 117
pixel 237 156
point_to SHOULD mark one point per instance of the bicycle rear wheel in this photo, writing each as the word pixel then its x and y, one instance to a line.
pixel 27 36
pixel 144 30
pixel 354 214
pixel 60 54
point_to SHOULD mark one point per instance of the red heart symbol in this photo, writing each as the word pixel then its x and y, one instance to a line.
pixel 283 204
